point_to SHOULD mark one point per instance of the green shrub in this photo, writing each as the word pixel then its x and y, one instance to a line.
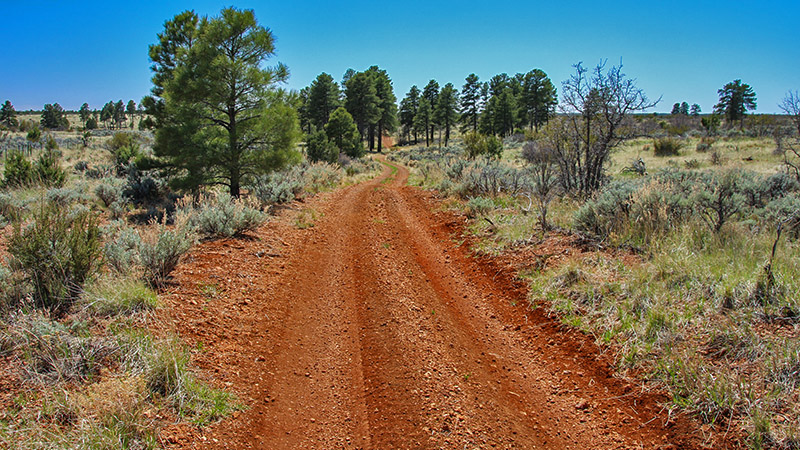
pixel 604 213
pixel 58 252
pixel 320 176
pixel 479 206
pixel 121 248
pixel 48 170
pixel 666 146
pixel 12 290
pixel 319 149
pixel 786 211
pixel 66 197
pixel 221 216
pixel 719 197
pixel 18 170
pixel 110 191
pixel 161 248
pixel 278 187
pixel 490 178
pixel 11 206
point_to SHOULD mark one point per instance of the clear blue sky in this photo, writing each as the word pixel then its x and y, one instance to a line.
pixel 70 52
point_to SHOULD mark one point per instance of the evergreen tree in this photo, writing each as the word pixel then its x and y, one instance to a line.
pixel 387 104
pixel 431 94
pixel 107 113
pixel 676 109
pixel 538 98
pixel 8 115
pixel 505 113
pixel 342 132
pixel 323 98
pixel 361 101
pixel 735 99
pixel 408 111
pixel 684 109
pixel 54 117
pixel 119 114
pixel 84 113
pixel 695 110
pixel 130 108
pixel 221 118
pixel 424 119
pixel 318 148
pixel 446 112
pixel 470 102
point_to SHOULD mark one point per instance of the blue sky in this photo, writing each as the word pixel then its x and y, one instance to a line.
pixel 71 52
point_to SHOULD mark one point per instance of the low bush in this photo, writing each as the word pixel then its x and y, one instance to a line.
pixel 161 248
pixel 58 251
pixel 479 206
pixel 219 215
pixel 18 171
pixel 277 187
pixel 667 146
pixel 48 170
pixel 110 191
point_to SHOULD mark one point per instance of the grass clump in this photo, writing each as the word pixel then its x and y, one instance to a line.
pixel 667 146
pixel 119 296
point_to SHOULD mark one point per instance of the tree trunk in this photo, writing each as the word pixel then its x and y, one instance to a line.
pixel 380 137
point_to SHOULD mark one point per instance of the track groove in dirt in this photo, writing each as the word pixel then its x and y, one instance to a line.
pixel 374 330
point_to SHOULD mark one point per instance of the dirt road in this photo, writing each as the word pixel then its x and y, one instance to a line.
pixel 375 329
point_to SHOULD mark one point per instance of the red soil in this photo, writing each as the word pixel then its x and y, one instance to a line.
pixel 375 329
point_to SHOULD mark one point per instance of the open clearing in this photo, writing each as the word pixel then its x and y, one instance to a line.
pixel 360 319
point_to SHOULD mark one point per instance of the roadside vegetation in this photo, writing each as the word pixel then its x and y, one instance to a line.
pixel 683 257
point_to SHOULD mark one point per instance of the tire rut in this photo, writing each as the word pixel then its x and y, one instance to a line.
pixel 383 333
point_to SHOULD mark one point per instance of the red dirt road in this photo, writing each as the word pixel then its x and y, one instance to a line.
pixel 374 329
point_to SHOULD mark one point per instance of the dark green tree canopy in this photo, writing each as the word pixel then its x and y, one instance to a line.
pixel 537 98
pixel 8 115
pixel 361 101
pixel 446 111
pixel 54 117
pixel 408 111
pixel 220 117
pixel 471 102
pixel 343 133
pixel 323 98
pixel 387 103
pixel 735 99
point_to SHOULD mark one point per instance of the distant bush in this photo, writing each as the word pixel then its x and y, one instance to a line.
pixel 57 251
pixel 477 144
pixel 490 178
pixel 608 210
pixel 121 248
pixel 66 197
pixel 125 148
pixel 219 215
pixel 667 146
pixel 320 176
pixel 786 212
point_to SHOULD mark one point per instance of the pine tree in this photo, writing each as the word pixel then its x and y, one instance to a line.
pixel 471 102
pixel 431 94
pixel 538 98
pixel 323 98
pixel 408 111
pixel 735 99
pixel 446 112
pixel 343 133
pixel 223 118
pixel 387 104
pixel 361 101
pixel 8 115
